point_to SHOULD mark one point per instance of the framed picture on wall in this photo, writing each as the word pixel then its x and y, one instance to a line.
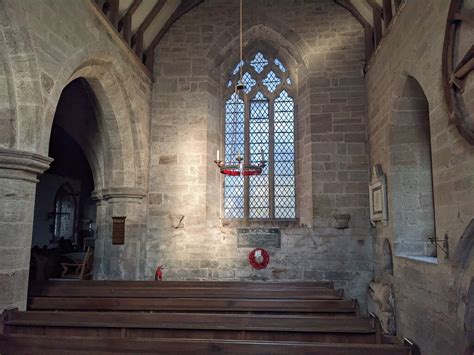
pixel 378 196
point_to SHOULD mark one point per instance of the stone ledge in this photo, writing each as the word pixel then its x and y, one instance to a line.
pixel 259 223
pixel 420 258
pixel 22 165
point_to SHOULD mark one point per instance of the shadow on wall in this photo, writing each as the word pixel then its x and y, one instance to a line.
pixel 387 261
pixel 463 252
pixel 469 320
pixel 410 177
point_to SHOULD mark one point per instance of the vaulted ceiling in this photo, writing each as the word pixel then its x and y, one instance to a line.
pixel 142 23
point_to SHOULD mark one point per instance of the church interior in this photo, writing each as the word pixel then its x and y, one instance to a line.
pixel 237 176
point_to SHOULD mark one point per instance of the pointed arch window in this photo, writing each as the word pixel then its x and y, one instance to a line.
pixel 261 119
pixel 64 212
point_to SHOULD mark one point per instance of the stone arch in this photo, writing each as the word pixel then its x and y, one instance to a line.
pixel 387 258
pixel 118 126
pixel 271 33
pixel 410 174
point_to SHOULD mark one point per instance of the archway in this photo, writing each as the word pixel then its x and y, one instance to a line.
pixel 65 215
pixel 410 177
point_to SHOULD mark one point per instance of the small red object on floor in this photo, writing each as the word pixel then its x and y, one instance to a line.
pixel 159 273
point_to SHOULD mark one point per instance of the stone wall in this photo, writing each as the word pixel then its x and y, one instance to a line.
pixel 431 295
pixel 44 45
pixel 323 47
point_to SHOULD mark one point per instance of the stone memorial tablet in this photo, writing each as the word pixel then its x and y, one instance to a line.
pixel 258 237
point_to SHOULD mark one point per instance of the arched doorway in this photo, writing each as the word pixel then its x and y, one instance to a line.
pixel 65 215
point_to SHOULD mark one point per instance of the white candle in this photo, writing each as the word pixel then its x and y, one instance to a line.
pixel 217 155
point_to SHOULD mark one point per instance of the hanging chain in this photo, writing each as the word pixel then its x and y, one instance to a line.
pixel 236 93
pixel 241 41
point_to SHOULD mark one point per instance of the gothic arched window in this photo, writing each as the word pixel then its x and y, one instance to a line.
pixel 64 212
pixel 261 119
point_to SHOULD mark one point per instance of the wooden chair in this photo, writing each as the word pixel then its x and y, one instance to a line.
pixel 79 271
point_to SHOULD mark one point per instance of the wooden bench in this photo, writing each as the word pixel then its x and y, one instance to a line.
pixel 192 326
pixel 227 305
pixel 35 344
pixel 199 284
pixel 122 291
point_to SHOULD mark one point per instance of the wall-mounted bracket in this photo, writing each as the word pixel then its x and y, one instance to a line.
pixel 444 247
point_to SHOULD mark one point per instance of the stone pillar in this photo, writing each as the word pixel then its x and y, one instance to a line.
pixel 18 178
pixel 122 262
pixel 100 233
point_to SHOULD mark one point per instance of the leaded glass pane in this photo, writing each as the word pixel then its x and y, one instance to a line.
pixel 271 81
pixel 237 67
pixel 249 82
pixel 259 194
pixel 259 62
pixel 284 157
pixel 280 65
pixel 234 142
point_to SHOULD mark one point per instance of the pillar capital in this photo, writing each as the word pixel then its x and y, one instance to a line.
pixel 22 165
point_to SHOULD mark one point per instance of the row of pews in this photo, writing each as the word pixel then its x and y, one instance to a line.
pixel 180 317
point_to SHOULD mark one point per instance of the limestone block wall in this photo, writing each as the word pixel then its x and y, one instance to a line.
pixel 323 47
pixel 431 294
pixel 44 45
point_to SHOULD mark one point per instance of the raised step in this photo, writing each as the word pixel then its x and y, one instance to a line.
pixel 121 291
pixel 192 305
pixel 34 344
pixel 192 325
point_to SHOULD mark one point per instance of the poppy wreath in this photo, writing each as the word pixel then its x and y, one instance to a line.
pixel 259 264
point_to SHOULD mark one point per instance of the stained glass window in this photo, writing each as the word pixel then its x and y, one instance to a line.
pixel 259 122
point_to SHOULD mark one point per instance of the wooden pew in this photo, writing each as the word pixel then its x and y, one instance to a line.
pixel 34 344
pixel 227 305
pixel 199 284
pixel 73 290
pixel 192 326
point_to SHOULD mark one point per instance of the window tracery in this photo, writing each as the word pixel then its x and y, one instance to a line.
pixel 261 120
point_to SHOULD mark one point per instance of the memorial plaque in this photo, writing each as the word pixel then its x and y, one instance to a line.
pixel 118 230
pixel 258 237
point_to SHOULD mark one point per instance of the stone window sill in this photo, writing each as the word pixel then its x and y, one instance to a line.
pixel 421 258
pixel 257 223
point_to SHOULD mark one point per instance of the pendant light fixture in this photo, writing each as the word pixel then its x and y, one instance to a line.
pixel 241 165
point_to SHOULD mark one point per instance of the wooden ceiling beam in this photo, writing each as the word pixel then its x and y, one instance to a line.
pixel 114 12
pixel 387 12
pixel 183 8
pixel 147 21
pixel 125 23
pixel 368 29
pixel 377 21
pixel 134 6
pixel 374 5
